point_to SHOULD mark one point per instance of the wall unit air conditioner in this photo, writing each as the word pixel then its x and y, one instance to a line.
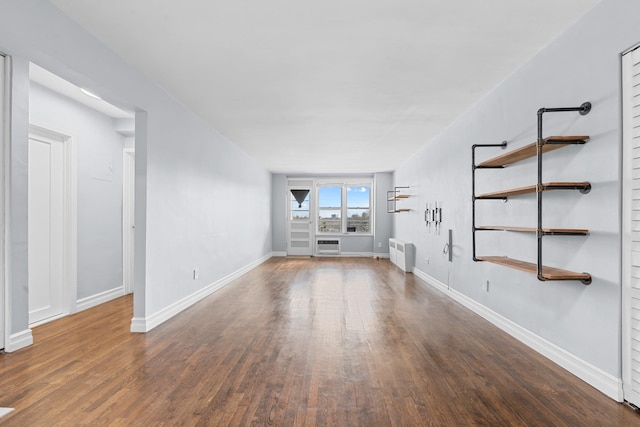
pixel 328 246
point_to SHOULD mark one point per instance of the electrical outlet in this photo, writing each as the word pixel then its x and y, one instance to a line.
pixel 485 286
pixel 195 274
pixel 379 244
pixel 426 260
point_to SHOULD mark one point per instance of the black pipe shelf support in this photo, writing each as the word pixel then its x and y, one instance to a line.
pixel 542 273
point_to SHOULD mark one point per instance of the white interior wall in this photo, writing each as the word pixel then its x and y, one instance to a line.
pixel 279 213
pixel 200 201
pixel 99 161
pixel 582 65
pixel 384 220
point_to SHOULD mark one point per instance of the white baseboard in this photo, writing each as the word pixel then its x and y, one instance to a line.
pixel 20 340
pixel 382 255
pixel 97 299
pixel 343 254
pixel 592 375
pixel 145 324
pixel 5 411
pixel 348 255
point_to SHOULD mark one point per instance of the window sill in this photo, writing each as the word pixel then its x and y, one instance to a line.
pixel 345 234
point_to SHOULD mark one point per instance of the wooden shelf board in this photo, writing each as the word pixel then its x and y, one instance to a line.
pixel 530 150
pixel 529 189
pixel 550 273
pixel 399 197
pixel 570 231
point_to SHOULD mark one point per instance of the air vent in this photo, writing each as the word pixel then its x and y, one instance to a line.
pixel 328 246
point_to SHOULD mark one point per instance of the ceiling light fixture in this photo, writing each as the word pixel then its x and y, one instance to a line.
pixel 92 95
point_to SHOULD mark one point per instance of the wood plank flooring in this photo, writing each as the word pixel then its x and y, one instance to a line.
pixel 315 342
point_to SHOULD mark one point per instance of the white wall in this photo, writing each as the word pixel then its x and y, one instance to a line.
pixel 279 212
pixel 99 160
pixel 200 201
pixel 582 65
pixel 384 220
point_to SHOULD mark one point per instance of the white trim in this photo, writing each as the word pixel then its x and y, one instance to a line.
pixel 145 324
pixel 48 319
pixel 634 47
pixel 348 255
pixel 627 60
pixel 128 189
pixel 5 191
pixel 344 183
pixel 6 411
pixel 596 377
pixel 19 340
pixel 373 255
pixel 100 298
pixel 304 184
pixel 70 273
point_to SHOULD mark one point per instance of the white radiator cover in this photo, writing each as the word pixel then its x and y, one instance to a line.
pixel 401 254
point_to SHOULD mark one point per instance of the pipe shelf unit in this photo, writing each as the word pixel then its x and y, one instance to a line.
pixel 584 188
pixel 536 149
pixel 395 195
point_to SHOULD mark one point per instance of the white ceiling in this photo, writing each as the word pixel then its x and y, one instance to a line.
pixel 331 86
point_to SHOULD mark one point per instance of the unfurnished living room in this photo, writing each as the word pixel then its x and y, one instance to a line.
pixel 371 213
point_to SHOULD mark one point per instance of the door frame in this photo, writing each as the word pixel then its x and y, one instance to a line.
pixel 626 218
pixel 128 221
pixel 4 202
pixel 301 183
pixel 70 218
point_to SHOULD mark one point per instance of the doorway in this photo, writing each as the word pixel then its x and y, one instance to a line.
pixel 631 226
pixel 51 224
pixel 299 218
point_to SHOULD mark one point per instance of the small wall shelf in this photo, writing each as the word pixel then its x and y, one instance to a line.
pixel 546 231
pixel 549 273
pixel 395 195
pixel 584 188
pixel 536 149
pixel 551 143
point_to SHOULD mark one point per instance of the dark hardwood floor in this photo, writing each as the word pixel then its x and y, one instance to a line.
pixel 342 342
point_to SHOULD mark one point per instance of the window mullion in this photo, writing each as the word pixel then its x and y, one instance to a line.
pixel 344 208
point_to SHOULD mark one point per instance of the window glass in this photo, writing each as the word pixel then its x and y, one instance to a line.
pixel 330 209
pixel 358 209
pixel 299 210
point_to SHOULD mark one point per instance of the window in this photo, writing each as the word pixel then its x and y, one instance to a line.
pixel 358 209
pixel 330 209
pixel 299 210
pixel 344 208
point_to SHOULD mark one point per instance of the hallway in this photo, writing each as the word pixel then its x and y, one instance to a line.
pixel 320 341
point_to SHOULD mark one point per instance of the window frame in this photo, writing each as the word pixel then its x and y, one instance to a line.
pixel 343 184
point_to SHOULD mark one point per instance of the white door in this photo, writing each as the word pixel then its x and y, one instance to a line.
pixel 2 130
pixel 631 227
pixel 128 224
pixel 299 218
pixel 46 228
